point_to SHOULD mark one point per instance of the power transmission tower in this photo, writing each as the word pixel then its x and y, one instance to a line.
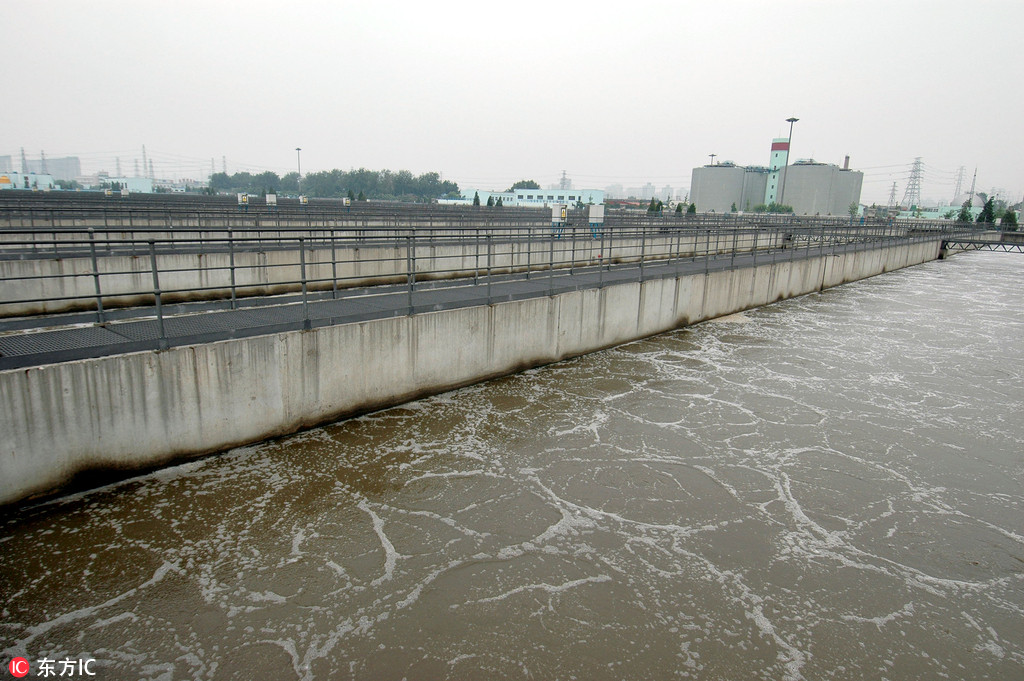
pixel 117 160
pixel 564 183
pixel 892 196
pixel 24 162
pixel 973 180
pixel 42 162
pixel 912 197
pixel 143 162
pixel 959 183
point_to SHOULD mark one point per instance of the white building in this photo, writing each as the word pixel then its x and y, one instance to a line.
pixel 532 198
pixel 811 188
pixel 13 180
pixel 135 185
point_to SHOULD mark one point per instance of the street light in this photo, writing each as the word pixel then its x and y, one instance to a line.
pixel 712 158
pixel 298 160
pixel 785 168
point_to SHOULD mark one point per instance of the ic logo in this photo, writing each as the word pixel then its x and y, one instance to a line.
pixel 19 667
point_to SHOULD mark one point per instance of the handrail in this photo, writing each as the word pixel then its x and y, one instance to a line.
pixel 102 280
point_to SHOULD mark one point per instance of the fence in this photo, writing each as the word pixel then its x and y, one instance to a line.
pixel 97 270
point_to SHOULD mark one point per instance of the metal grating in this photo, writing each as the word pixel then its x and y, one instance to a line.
pixel 57 341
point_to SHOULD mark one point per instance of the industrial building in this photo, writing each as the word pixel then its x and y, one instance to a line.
pixel 533 198
pixel 720 187
pixel 810 187
pixel 13 180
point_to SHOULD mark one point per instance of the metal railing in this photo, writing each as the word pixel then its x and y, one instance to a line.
pixel 96 270
pixel 149 293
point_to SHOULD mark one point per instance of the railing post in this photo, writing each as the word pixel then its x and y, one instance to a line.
pixel 476 256
pixel 96 275
pixel 572 262
pixel 157 295
pixel 306 324
pixel 489 251
pixel 643 249
pixel 410 260
pixel 529 250
pixel 334 265
pixel 551 265
pixel 231 264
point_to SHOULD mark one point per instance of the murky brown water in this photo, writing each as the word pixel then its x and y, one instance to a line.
pixel 827 488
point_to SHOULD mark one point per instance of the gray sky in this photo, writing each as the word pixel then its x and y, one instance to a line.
pixel 489 93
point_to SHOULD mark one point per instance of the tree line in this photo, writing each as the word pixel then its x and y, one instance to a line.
pixel 366 184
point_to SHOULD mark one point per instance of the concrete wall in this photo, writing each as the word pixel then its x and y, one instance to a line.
pixel 144 409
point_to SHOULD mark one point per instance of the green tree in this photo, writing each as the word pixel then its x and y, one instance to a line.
pixel 679 208
pixel 490 202
pixel 733 209
pixel 965 212
pixel 773 208
pixel 1009 222
pixel 476 198
pixel 692 210
pixel 220 182
pixel 498 203
pixel 854 209
pixel 361 197
pixel 524 184
pixel 655 206
pixel 987 214
pixel 290 182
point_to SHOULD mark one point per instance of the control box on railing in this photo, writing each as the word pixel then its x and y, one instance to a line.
pixel 595 215
pixel 559 213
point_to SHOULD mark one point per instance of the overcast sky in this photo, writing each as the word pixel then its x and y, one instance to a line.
pixel 491 92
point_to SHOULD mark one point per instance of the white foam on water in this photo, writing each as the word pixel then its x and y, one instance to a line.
pixel 37 630
pixel 391 556
pixel 548 588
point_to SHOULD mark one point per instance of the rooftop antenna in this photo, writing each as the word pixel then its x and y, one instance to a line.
pixel 712 158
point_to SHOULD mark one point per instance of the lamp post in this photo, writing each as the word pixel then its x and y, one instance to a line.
pixel 785 168
pixel 298 160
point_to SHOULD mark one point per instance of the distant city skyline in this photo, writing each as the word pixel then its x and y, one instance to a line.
pixel 176 168
pixel 490 94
